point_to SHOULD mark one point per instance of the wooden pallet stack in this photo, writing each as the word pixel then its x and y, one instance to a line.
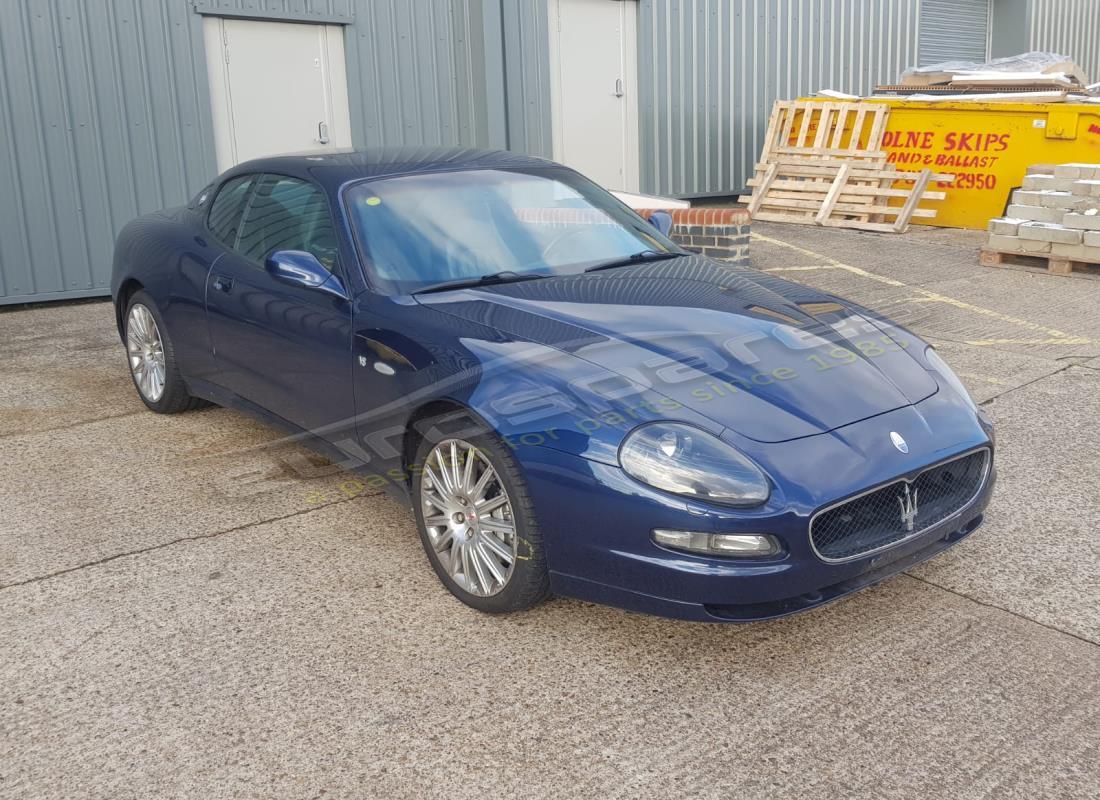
pixel 1055 218
pixel 823 164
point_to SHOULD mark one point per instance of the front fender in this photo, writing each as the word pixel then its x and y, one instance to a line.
pixel 537 396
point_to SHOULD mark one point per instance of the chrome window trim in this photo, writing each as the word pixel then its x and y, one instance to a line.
pixel 986 470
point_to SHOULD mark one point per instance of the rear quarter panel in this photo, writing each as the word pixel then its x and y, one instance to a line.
pixel 169 255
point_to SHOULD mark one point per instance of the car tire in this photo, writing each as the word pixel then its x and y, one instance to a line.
pixel 528 579
pixel 152 359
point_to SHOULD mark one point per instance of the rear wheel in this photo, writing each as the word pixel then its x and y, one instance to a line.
pixel 477 524
pixel 152 360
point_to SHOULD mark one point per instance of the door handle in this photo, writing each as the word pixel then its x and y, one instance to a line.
pixel 322 132
pixel 618 87
pixel 223 283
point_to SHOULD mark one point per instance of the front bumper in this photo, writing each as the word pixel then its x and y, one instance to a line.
pixel 737 609
pixel 599 521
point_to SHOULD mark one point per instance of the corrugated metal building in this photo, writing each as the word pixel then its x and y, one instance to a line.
pixel 112 108
pixel 710 71
pixel 106 108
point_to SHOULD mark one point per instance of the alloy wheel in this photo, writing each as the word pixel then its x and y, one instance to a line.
pixel 468 517
pixel 145 349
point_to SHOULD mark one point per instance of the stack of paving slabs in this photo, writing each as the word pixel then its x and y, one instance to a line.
pixel 823 164
pixel 1055 217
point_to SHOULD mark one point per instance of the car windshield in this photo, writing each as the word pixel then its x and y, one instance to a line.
pixel 423 230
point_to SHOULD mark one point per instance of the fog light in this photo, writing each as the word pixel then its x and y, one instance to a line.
pixel 729 545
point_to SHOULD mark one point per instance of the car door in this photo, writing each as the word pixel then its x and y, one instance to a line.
pixel 283 347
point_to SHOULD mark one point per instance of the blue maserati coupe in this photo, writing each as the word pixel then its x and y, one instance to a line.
pixel 568 401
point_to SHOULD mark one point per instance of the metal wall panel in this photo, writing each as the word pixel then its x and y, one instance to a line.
pixel 104 114
pixel 450 72
pixel 527 75
pixel 954 30
pixel 1008 23
pixel 709 71
pixel 416 73
pixel 1068 27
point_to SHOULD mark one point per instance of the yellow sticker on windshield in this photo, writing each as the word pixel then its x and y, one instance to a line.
pixel 374 201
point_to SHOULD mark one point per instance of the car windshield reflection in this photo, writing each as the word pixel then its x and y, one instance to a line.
pixel 431 229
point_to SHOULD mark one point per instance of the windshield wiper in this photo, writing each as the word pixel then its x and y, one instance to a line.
pixel 637 258
pixel 505 276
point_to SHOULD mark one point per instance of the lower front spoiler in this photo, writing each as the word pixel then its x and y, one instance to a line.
pixel 584 589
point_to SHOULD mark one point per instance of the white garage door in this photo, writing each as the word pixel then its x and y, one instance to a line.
pixel 954 30
pixel 276 87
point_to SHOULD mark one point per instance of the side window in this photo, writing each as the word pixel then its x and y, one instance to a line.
pixel 287 214
pixel 225 211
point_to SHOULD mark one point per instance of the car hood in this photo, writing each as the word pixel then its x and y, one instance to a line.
pixel 766 358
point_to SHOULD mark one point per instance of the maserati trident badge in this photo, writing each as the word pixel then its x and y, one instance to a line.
pixel 908 503
pixel 899 443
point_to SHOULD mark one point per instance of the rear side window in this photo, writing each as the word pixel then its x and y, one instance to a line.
pixel 287 214
pixel 226 210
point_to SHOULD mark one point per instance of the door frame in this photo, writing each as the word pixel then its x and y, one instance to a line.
pixel 629 68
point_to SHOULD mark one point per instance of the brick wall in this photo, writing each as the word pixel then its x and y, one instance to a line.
pixel 716 232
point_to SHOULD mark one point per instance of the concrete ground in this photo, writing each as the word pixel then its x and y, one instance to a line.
pixel 183 614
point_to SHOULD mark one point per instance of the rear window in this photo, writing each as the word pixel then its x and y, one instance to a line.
pixel 226 210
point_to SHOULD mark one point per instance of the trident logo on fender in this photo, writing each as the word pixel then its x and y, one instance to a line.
pixel 908 503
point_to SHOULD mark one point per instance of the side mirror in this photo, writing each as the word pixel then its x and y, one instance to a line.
pixel 299 268
pixel 662 221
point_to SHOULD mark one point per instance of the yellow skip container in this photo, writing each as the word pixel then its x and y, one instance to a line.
pixel 987 146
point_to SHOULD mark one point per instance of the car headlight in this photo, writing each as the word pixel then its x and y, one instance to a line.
pixel 936 362
pixel 687 461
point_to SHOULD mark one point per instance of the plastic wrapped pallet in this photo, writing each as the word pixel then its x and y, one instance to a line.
pixel 1035 62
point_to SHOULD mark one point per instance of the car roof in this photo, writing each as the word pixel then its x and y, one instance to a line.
pixel 332 169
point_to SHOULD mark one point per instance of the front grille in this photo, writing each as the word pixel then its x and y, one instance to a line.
pixel 891 514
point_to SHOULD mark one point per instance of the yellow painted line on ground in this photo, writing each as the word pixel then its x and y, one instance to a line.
pixel 830 262
pixel 982 378
pixel 762 238
pixel 807 268
pixel 926 296
pixel 846 267
pixel 933 297
pixel 993 342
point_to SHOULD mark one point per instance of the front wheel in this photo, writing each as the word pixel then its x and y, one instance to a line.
pixel 152 360
pixel 477 524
